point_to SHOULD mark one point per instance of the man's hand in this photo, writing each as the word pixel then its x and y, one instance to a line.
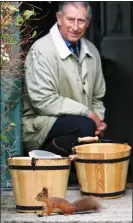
pixel 101 125
pixel 95 118
pixel 101 129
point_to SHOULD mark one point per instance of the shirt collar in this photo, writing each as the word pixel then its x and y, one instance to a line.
pixel 61 44
pixel 68 43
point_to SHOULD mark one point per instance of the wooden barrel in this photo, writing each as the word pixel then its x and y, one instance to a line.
pixel 102 169
pixel 30 175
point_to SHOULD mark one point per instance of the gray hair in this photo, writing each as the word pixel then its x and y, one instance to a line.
pixel 85 4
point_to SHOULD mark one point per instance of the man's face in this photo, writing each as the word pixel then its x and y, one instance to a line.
pixel 73 22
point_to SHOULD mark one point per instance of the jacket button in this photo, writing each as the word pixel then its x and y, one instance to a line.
pixel 83 83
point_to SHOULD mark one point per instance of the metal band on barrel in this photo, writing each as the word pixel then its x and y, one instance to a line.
pixel 103 161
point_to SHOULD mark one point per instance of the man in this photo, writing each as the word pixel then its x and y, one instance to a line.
pixel 64 84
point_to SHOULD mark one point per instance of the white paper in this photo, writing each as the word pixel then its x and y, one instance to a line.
pixel 42 154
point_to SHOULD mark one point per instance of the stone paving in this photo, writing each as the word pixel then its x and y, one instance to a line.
pixel 114 211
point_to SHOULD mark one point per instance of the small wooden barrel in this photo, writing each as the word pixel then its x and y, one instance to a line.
pixel 30 175
pixel 102 169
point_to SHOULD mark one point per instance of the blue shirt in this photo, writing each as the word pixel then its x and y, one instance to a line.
pixel 68 43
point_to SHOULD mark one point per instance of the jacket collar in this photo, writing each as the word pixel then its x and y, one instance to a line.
pixel 61 46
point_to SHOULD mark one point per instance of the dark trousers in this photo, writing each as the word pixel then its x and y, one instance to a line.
pixel 65 132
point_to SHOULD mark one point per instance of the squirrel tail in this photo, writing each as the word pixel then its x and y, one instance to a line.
pixel 87 203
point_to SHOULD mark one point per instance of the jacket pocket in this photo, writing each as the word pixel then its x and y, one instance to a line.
pixel 28 126
pixel 39 122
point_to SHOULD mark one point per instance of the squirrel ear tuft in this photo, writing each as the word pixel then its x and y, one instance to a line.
pixel 44 189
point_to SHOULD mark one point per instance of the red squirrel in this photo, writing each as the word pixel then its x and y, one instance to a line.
pixel 67 208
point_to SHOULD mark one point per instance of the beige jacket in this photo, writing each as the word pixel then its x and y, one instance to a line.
pixel 56 83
